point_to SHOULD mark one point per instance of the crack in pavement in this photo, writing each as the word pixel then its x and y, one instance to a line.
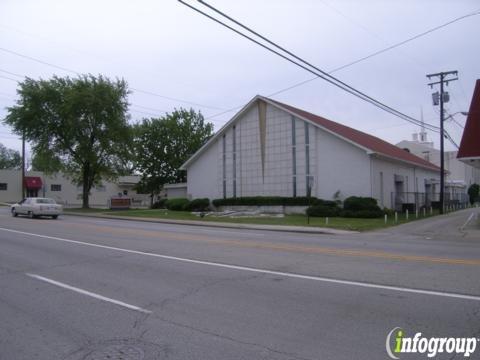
pixel 164 303
pixel 231 339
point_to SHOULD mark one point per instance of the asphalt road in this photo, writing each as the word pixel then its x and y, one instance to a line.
pixel 86 288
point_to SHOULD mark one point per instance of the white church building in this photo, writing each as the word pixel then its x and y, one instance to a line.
pixel 273 149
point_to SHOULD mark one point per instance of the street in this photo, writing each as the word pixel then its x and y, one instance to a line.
pixel 89 288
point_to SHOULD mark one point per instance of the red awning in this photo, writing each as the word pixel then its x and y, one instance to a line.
pixel 469 146
pixel 33 182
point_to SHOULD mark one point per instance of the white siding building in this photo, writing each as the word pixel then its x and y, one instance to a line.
pixel 60 188
pixel 273 149
pixel 459 175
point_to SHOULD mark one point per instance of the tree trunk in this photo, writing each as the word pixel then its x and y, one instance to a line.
pixel 86 186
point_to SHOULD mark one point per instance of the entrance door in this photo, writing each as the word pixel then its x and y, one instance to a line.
pixel 32 192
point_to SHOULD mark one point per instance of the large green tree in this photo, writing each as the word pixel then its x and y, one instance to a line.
pixel 75 125
pixel 163 144
pixel 9 158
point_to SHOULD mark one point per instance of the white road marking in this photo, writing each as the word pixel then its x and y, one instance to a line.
pixel 88 293
pixel 262 271
pixel 468 221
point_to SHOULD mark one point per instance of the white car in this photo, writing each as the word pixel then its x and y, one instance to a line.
pixel 34 207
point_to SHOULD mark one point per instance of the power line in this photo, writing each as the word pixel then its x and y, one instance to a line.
pixel 132 104
pixel 31 58
pixel 175 99
pixel 149 108
pixel 306 65
pixel 388 48
pixel 378 52
pixel 8 78
pixel 11 73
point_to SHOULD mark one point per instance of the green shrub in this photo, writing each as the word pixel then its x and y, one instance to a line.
pixel 357 203
pixel 201 204
pixel 365 214
pixel 177 204
pixel 323 211
pixel 389 212
pixel 159 204
pixel 299 201
pixel 326 203
pixel 473 193
pixel 265 200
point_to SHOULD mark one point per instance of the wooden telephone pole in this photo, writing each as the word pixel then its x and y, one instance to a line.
pixel 443 80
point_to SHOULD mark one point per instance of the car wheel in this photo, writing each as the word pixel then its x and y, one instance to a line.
pixel 14 213
pixel 54 216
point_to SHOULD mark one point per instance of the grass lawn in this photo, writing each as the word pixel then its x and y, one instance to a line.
pixel 290 220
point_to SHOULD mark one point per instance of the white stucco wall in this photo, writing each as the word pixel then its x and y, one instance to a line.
pixel 414 179
pixel 335 163
pixel 341 166
pixel 457 171
pixel 202 175
pixel 205 174
pixel 175 190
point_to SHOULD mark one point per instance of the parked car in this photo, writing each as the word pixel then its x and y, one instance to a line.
pixel 34 207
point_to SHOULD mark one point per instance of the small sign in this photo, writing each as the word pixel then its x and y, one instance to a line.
pixel 120 203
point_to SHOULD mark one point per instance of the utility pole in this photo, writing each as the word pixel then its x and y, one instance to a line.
pixel 442 97
pixel 23 164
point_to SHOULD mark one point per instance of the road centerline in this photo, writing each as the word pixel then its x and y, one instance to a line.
pixel 262 271
pixel 88 293
pixel 311 249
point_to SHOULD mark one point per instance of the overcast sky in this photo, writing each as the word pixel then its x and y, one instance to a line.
pixel 162 47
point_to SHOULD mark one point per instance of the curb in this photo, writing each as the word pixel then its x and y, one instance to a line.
pixel 283 228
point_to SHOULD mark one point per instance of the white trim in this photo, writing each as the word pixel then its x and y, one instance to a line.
pixel 218 133
pixel 386 157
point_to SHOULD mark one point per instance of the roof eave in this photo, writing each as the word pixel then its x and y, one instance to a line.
pixel 187 163
pixel 431 168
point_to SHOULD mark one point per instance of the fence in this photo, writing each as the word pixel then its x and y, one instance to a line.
pixel 412 201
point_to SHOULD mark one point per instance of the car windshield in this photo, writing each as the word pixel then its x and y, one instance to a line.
pixel 45 201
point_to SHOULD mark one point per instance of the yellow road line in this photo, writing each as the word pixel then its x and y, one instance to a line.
pixel 166 235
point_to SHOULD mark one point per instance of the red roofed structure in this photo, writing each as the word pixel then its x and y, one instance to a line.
pixel 273 149
pixel 373 143
pixel 469 151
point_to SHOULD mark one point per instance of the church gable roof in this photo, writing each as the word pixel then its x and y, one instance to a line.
pixel 358 138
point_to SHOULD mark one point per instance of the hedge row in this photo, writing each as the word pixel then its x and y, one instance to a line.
pixel 353 207
pixel 182 204
pixel 268 201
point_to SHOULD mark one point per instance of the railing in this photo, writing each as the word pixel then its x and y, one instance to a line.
pixel 412 201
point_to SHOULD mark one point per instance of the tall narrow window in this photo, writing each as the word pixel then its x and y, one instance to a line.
pixel 224 163
pixel 294 158
pixel 308 179
pixel 234 150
